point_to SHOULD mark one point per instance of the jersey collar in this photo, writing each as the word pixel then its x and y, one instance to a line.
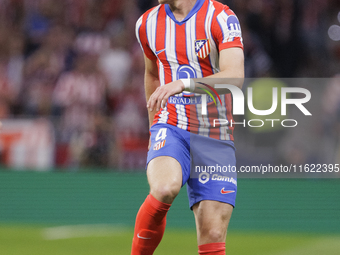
pixel 195 9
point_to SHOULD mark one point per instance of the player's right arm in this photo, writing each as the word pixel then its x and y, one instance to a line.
pixel 151 79
pixel 151 83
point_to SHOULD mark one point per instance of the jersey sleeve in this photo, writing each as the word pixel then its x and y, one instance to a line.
pixel 143 39
pixel 226 30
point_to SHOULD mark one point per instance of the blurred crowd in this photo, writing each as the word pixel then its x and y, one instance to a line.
pixel 77 63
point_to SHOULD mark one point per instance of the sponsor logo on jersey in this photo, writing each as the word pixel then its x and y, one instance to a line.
pixel 159 145
pixel 185 72
pixel 216 177
pixel 234 26
pixel 202 48
pixel 187 100
pixel 226 191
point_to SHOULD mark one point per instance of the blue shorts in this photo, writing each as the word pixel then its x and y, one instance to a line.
pixel 208 165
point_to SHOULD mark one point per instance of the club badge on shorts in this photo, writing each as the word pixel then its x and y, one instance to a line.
pixel 202 48
pixel 159 145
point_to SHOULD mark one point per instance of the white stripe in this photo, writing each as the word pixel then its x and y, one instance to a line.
pixel 161 72
pixel 190 42
pixel 167 39
pixel 222 20
pixel 203 128
pixel 170 43
pixel 206 48
pixel 203 53
pixel 153 34
pixel 222 110
pixel 225 18
pixel 181 115
pixel 163 116
pixel 138 25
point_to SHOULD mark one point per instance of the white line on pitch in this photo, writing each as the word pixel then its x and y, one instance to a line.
pixel 325 245
pixel 76 231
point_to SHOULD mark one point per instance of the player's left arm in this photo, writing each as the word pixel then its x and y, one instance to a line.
pixel 231 67
pixel 231 63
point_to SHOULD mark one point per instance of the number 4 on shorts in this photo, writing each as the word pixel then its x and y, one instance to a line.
pixel 161 134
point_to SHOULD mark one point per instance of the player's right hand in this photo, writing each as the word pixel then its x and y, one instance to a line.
pixel 160 96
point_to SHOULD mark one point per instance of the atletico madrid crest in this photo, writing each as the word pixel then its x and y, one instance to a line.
pixel 159 145
pixel 202 48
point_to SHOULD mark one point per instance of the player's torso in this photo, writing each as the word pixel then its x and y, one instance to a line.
pixel 187 49
pixel 184 49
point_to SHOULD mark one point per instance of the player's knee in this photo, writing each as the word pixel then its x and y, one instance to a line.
pixel 165 193
pixel 214 235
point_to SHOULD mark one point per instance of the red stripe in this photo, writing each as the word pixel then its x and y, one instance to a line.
pixel 181 48
pixel 172 120
pixel 167 68
pixel 188 114
pixel 143 37
pixel 142 31
pixel 161 43
pixel 209 46
pixel 160 32
pixel 156 118
pixel 213 114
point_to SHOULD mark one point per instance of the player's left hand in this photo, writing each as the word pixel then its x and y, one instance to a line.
pixel 160 96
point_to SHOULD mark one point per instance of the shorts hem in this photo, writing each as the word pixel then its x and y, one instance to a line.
pixel 164 155
pixel 232 203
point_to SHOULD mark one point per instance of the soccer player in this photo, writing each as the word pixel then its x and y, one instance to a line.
pixel 185 43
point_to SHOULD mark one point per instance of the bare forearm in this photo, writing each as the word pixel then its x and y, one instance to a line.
pixel 232 71
pixel 160 96
pixel 213 80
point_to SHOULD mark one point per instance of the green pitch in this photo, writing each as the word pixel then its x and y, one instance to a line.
pixel 106 239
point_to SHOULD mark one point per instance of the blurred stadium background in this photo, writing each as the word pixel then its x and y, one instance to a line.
pixel 72 163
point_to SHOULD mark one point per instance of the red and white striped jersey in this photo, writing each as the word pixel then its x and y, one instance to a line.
pixel 190 49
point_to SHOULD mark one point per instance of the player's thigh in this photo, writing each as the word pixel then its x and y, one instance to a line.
pixel 168 162
pixel 165 178
pixel 212 220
